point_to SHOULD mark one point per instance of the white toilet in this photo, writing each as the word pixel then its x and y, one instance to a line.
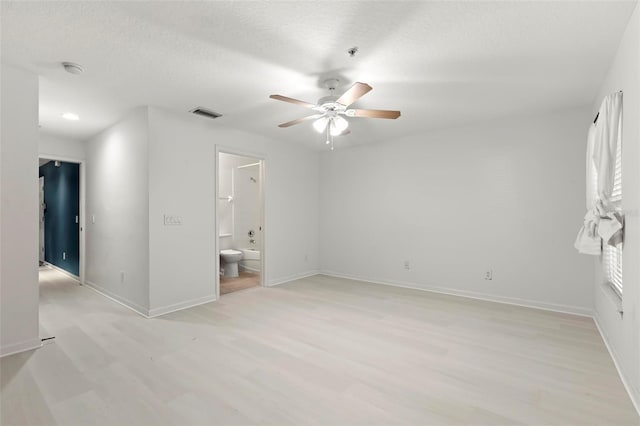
pixel 229 261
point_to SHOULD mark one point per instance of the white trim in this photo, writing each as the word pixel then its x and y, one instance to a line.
pixel 216 225
pixel 121 300
pixel 62 271
pixel 293 277
pixel 565 309
pixel 156 312
pixel 249 165
pixel 634 394
pixel 149 313
pixel 15 348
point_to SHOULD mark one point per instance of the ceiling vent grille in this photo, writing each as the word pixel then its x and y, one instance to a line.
pixel 205 113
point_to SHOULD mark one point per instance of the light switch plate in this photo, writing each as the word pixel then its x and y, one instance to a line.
pixel 172 220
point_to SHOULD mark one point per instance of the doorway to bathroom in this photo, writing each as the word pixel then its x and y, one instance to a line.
pixel 240 222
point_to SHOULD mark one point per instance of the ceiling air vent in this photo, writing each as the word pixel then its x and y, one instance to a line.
pixel 205 113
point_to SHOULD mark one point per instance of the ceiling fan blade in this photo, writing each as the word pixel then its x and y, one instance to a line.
pixel 374 113
pixel 356 91
pixel 344 133
pixel 291 100
pixel 300 120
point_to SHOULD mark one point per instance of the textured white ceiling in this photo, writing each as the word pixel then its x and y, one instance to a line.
pixel 440 63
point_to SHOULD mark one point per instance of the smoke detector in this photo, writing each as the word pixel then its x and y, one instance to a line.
pixel 72 68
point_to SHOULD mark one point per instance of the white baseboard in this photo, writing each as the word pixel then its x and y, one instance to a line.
pixel 149 313
pixel 59 269
pixel 121 300
pixel 290 278
pixel 20 347
pixel 634 394
pixel 156 312
pixel 566 309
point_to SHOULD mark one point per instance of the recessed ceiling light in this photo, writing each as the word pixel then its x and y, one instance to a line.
pixel 73 68
pixel 70 116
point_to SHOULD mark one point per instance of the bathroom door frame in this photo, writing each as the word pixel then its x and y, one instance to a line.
pixel 221 149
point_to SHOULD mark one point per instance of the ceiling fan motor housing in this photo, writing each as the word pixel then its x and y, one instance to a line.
pixel 328 103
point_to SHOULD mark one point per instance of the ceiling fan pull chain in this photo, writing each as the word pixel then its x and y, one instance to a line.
pixel 330 134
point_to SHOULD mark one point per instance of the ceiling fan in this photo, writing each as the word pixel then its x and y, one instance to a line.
pixel 331 109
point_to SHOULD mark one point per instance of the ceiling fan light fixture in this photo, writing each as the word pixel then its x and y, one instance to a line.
pixel 338 125
pixel 320 124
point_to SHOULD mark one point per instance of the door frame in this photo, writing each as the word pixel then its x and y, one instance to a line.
pixel 221 149
pixel 81 221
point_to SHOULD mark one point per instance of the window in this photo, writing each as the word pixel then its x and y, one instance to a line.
pixel 612 256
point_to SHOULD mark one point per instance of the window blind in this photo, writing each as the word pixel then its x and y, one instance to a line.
pixel 612 256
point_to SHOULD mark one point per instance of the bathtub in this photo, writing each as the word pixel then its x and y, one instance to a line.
pixel 250 260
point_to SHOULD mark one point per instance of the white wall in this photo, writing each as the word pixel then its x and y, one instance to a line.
pixel 117 194
pixel 292 212
pixel 506 195
pixel 56 147
pixel 182 183
pixel 18 211
pixel 623 333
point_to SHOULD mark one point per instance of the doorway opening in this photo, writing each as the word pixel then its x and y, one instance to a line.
pixel 240 222
pixel 60 238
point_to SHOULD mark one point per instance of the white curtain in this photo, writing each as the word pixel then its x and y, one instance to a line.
pixel 602 223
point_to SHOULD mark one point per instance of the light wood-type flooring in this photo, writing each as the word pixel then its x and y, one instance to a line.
pixel 317 351
pixel 244 281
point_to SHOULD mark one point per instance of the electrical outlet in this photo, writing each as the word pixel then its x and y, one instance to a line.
pixel 121 276
pixel 488 274
pixel 407 265
pixel 306 257
pixel 77 219
pixel 64 255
